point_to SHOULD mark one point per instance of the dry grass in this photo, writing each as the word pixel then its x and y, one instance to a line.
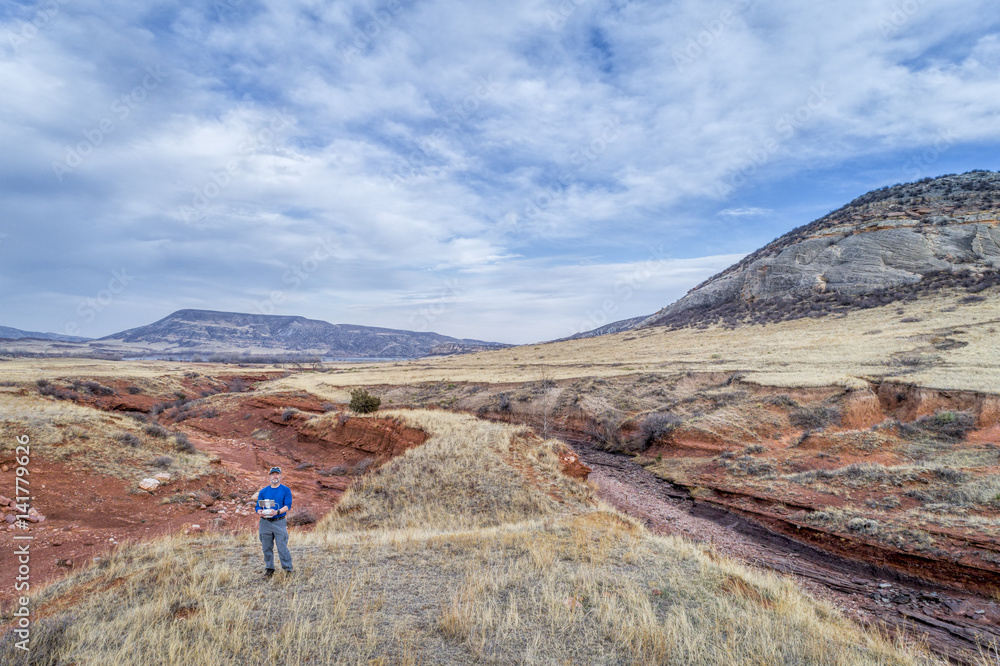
pixel 89 439
pixel 469 473
pixel 534 573
pixel 834 350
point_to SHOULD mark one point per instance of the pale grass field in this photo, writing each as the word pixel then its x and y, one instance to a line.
pixel 834 350
pixel 84 438
pixel 433 561
pixel 830 351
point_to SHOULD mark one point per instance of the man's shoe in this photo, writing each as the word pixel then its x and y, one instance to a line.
pixel 268 573
pixel 288 572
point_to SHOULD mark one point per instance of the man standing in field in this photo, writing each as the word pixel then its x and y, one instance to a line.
pixel 273 526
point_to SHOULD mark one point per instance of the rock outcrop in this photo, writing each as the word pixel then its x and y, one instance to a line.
pixel 889 242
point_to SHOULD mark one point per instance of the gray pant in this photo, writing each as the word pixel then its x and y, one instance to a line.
pixel 271 534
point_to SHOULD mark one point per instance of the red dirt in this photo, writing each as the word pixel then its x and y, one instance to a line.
pixel 88 515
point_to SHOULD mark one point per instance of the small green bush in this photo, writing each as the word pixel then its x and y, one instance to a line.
pixel 364 402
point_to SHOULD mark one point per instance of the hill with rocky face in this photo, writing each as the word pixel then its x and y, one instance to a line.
pixel 201 331
pixel 890 244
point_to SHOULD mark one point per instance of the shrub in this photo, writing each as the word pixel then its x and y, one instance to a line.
pixel 783 400
pixel 503 402
pixel 237 385
pixel 336 470
pixel 162 462
pixel 814 417
pixel 946 425
pixel 364 402
pixel 863 525
pixel 328 407
pixel 183 444
pixel 754 448
pixel 363 466
pixel 157 431
pixel 128 439
pixel 95 389
pixel 305 465
pixel 291 411
pixel 654 427
pixel 606 432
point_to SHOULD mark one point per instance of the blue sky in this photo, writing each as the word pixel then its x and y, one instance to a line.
pixel 513 171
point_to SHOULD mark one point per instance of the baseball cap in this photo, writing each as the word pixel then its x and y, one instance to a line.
pixel 275 469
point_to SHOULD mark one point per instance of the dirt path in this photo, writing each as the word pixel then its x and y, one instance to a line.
pixel 952 622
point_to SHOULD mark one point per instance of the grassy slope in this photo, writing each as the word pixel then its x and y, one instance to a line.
pixel 471 548
pixel 880 343
pixel 91 440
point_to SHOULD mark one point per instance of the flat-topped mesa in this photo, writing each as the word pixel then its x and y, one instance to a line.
pixel 890 242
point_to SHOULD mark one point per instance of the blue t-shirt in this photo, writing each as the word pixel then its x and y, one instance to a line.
pixel 281 495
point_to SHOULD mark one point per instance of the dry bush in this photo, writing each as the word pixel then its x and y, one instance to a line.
pixel 945 425
pixel 654 427
pixel 814 417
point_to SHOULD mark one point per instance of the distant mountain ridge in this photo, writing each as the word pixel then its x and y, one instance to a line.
pixel 206 331
pixel 890 244
pixel 8 333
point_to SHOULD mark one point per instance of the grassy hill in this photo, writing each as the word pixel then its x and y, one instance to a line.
pixel 472 548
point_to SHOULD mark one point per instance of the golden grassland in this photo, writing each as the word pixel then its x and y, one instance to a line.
pixel 469 549
pixel 91 440
pixel 937 342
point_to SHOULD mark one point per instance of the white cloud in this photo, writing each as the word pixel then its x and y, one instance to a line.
pixel 748 211
pixel 460 139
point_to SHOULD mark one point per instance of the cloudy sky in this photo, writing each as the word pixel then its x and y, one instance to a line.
pixel 513 171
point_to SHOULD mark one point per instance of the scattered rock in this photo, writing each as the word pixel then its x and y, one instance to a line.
pixel 149 484
pixel 66 563
pixel 162 477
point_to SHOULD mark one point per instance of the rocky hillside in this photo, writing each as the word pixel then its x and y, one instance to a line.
pixel 199 331
pixel 888 245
